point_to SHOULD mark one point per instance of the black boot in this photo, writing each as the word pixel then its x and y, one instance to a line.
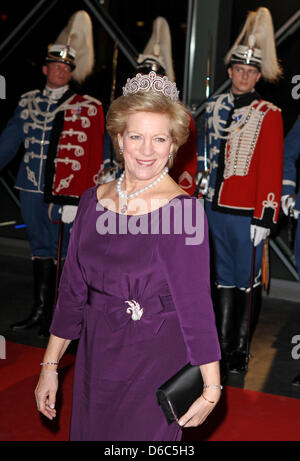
pixel 47 318
pixel 44 284
pixel 244 332
pixel 225 313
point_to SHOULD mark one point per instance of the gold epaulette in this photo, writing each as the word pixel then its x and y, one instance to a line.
pixel 29 93
pixel 90 98
pixel 269 105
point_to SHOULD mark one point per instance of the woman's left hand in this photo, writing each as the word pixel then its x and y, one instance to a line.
pixel 200 409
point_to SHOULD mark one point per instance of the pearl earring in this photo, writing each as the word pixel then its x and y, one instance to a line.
pixel 170 155
pixel 121 151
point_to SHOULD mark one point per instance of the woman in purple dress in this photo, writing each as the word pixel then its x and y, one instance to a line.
pixel 135 286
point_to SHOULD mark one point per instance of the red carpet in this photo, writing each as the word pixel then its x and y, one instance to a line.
pixel 20 419
pixel 241 415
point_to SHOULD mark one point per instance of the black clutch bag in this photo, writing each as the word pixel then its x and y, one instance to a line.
pixel 177 394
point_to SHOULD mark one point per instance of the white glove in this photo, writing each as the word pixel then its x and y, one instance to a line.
pixel 287 204
pixel 68 213
pixel 258 233
pixel 202 177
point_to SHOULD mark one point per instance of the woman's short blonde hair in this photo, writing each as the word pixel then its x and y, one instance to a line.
pixel 150 101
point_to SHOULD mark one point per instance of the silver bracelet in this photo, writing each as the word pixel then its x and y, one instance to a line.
pixel 212 386
pixel 48 373
pixel 49 363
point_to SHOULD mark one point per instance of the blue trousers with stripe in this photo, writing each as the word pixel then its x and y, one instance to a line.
pixel 233 249
pixel 297 248
pixel 42 233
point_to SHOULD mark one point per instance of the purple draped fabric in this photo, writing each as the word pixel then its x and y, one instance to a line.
pixel 120 361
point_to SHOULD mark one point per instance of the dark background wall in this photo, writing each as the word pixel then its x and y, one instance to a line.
pixel 21 60
pixel 22 69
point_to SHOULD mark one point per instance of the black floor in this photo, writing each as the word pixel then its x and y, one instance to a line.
pixel 271 368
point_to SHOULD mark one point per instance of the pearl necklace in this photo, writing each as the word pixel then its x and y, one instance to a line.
pixel 123 194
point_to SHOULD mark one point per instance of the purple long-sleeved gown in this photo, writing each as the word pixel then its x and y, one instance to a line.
pixel 148 261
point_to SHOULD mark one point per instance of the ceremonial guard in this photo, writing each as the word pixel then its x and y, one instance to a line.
pixel 244 146
pixel 157 56
pixel 62 134
pixel 290 200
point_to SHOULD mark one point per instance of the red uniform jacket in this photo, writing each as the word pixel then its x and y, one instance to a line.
pixel 185 163
pixel 252 174
pixel 75 153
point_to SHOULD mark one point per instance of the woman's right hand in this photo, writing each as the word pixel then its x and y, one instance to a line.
pixel 45 394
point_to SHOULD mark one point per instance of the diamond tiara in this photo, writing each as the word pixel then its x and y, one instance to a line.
pixel 151 81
